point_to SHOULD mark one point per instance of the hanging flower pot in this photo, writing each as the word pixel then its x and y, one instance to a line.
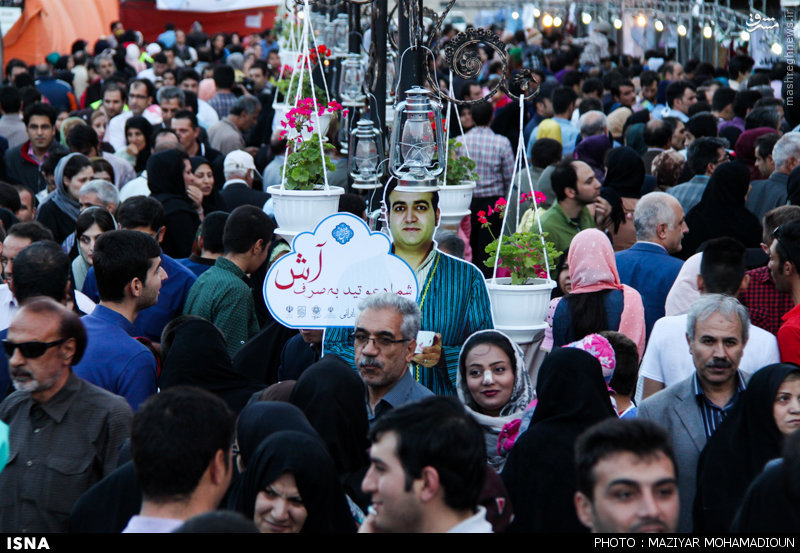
pixel 454 202
pixel 301 210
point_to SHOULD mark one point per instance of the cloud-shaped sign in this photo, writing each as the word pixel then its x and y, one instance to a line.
pixel 328 272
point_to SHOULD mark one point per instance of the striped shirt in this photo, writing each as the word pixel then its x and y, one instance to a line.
pixel 494 160
pixel 712 414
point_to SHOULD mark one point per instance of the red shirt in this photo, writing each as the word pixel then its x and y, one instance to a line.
pixel 789 336
pixel 764 303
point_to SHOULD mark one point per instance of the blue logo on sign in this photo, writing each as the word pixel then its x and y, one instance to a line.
pixel 342 233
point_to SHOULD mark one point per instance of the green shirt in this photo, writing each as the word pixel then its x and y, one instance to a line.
pixel 222 296
pixel 561 229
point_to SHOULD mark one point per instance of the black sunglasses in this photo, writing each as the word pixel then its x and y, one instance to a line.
pixel 30 350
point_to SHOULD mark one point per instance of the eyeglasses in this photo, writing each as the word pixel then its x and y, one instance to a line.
pixel 30 350
pixel 360 339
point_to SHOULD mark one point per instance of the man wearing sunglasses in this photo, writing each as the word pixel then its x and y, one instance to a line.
pixel 64 432
pixel 784 260
pixel 384 341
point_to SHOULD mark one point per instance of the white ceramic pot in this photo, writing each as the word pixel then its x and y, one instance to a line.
pixel 520 305
pixel 305 134
pixel 281 109
pixel 456 199
pixel 289 57
pixel 301 210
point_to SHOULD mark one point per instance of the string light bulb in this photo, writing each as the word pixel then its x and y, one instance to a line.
pixel 707 32
pixel 682 29
pixel 557 21
pixel 536 12
pixel 776 49
pixel 745 36
pixel 515 15
pixel 617 23
pixel 658 25
pixel 547 20
pixel 641 20
pixel 586 18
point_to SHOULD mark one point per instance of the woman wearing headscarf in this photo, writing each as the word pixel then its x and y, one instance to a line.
pixel 745 149
pixel 722 212
pixel 549 129
pixel 291 486
pixel 622 188
pixel 60 212
pixel 751 435
pixel 203 180
pixel 667 168
pixel 540 472
pixel 138 134
pixel 592 151
pixel 598 300
pixel 168 176
pixel 197 356
pixel 494 385
pixel 634 137
pixel 331 395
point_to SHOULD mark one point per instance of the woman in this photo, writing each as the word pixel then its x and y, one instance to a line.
pixel 60 212
pixel 202 191
pixel 67 125
pixel 138 132
pixel 195 355
pixel 667 168
pixel 722 211
pixel 103 169
pixel 218 52
pixel 745 149
pixel 99 122
pixel 751 435
pixel 622 188
pixel 592 151
pixel 598 300
pixel 89 226
pixel 291 486
pixel 494 385
pixel 169 174
pixel 540 472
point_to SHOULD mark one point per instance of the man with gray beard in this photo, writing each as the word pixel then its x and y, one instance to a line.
pixel 384 341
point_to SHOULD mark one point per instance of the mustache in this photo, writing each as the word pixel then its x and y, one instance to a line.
pixel 719 363
pixel 369 361
pixel 21 373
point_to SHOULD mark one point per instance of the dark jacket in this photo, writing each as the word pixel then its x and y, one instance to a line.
pixel 22 169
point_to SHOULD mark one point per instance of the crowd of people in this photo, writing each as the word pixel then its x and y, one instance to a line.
pixel 146 387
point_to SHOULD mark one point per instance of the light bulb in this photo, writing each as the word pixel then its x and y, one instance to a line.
pixel 536 12
pixel 617 23
pixel 659 26
pixel 641 20
pixel 547 20
pixel 776 49
pixel 557 21
pixel 515 15
pixel 745 36
pixel 707 32
pixel 418 141
pixel 682 29
pixel 586 17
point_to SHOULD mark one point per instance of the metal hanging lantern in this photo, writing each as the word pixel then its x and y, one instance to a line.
pixel 351 81
pixel 339 35
pixel 417 151
pixel 366 147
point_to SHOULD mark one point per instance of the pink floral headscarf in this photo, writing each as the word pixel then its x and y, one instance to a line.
pixel 601 349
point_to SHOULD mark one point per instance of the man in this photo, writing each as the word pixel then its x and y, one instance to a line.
pixel 171 99
pixel 264 90
pixel 690 410
pixel 189 81
pixel 767 194
pixel 146 215
pixel 564 99
pixel 739 69
pixel 456 303
pixel 765 304
pixel 722 271
pixel 58 93
pixel 104 67
pixel 23 162
pixel 140 100
pixel 300 352
pixel 427 467
pixel 184 123
pixel 722 104
pixel 155 72
pixel 27 204
pixel 221 294
pixel 745 101
pixel 544 110
pixel 228 134
pixel 209 242
pixel 576 187
pixel 181 448
pixel 623 94
pixel 627 478
pixel 12 128
pixel 114 98
pixel 83 139
pixel 99 193
pixel 385 338
pixel 223 100
pixel 648 265
pixel 657 137
pixel 680 95
pixel 648 80
pixel 783 264
pixel 494 159
pixel 129 274
pixel 592 123
pixel 678 139
pixel 703 157
pixel 239 170
pixel 66 432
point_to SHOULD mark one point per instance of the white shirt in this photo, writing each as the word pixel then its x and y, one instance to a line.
pixel 667 358
pixel 135 187
pixel 9 305
pixel 115 134
pixel 206 115
pixel 476 524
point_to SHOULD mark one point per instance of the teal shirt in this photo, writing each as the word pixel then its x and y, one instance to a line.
pixel 222 296
pixel 561 229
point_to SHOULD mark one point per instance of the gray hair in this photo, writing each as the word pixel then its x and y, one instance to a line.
pixel 412 318
pixel 708 304
pixel 102 57
pixel 245 104
pixel 652 210
pixel 106 192
pixel 170 93
pixel 592 123
pixel 787 147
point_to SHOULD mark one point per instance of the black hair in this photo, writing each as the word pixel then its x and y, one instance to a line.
pixel 745 99
pixel 141 123
pixel 147 83
pixel 464 90
pixel 437 432
pixel 392 184
pixel 617 84
pixel 188 74
pixel 626 369
pixel 186 114
pixel 93 215
pixel 702 124
pixel 75 165
pixel 492 338
pixel 41 269
pixel 352 203
pixel 722 97
pixel 245 226
pixel 563 96
pixel 676 90
pixel 175 435
pixel 657 133
pixel 762 117
pixel 563 176
pixel 573 77
pixel 481 113
pixel 82 138
pixel 787 233
pixel 740 64
pixel 111 86
pixel 32 230
pixel 141 211
pixel 641 437
pixel 224 76
pixel 212 231
pixel 646 78
pixel 592 85
pixel 546 151
pixel 10 99
pixel 40 108
pixel 703 151
pixel 119 257
pixel 766 143
pixel 9 197
pixel 723 266
pixel 590 104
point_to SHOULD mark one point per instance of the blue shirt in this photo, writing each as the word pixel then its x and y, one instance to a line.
pixel 115 361
pixel 712 413
pixel 569 136
pixel 405 390
pixel 198 265
pixel 174 289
